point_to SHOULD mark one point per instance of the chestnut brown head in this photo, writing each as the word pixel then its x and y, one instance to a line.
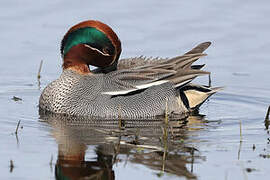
pixel 91 43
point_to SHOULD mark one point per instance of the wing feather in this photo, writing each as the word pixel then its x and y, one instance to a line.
pixel 141 73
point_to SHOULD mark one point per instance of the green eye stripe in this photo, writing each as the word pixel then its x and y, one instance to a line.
pixel 87 35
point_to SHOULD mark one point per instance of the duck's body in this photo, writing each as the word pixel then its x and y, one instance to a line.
pixel 82 95
pixel 132 88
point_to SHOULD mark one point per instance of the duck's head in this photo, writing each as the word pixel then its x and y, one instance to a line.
pixel 90 43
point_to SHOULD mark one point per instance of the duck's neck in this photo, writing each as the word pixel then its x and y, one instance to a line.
pixel 76 65
pixel 74 60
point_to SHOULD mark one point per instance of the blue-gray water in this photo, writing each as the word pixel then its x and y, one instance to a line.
pixel 31 31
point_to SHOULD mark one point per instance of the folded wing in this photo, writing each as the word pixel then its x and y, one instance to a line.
pixel 141 73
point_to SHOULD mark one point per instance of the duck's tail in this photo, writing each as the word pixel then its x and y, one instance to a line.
pixel 193 96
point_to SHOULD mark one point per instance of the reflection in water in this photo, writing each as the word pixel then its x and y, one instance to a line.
pixel 74 166
pixel 158 146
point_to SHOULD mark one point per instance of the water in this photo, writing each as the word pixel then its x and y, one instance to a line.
pixel 206 148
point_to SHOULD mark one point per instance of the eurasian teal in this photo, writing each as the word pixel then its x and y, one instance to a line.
pixel 130 88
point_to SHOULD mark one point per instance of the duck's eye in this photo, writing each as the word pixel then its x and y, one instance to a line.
pixel 106 50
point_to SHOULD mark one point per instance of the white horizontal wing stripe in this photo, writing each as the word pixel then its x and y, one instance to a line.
pixel 143 86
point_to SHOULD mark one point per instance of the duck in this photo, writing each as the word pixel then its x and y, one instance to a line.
pixel 131 88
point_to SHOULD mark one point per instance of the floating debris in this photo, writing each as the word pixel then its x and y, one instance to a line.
pixel 265 156
pixel 15 98
pixel 253 147
pixel 11 166
pixel 160 174
pixel 250 169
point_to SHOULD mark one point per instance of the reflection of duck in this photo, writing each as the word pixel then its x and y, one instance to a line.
pixel 132 88
pixel 140 142
pixel 72 146
pixel 75 168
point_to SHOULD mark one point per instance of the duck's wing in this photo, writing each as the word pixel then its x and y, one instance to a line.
pixel 129 63
pixel 176 70
pixel 133 62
